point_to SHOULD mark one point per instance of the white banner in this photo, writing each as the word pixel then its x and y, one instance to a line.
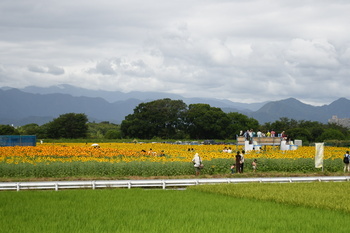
pixel 319 155
pixel 247 146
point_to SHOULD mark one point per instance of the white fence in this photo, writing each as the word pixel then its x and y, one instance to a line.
pixel 170 183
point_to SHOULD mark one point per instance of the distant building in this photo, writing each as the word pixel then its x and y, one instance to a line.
pixel 345 122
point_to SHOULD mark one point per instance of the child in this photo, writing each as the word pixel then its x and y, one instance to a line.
pixel 232 169
pixel 254 165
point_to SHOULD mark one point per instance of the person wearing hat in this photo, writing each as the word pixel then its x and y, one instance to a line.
pixel 197 161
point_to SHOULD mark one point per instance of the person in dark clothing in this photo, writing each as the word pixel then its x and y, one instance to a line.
pixel 238 160
pixel 346 161
pixel 241 164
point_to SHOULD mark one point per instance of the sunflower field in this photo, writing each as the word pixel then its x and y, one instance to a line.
pixel 152 159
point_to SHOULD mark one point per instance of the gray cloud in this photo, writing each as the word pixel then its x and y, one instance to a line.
pixel 248 51
pixel 54 70
pixel 36 69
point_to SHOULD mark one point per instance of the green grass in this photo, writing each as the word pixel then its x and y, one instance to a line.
pixel 137 210
pixel 147 168
pixel 326 195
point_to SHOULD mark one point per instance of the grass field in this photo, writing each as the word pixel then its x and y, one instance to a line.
pixel 198 209
pixel 306 207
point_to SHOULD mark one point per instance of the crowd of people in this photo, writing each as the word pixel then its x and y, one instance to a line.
pixel 237 166
pixel 250 133
pixel 150 152
pixel 227 150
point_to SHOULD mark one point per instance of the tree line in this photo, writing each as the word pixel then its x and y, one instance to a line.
pixel 70 126
pixel 173 119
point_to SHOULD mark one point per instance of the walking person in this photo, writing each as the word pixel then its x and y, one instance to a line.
pixel 346 161
pixel 197 161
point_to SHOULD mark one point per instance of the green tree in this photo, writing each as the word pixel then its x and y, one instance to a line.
pixel 99 130
pixel 29 129
pixel 160 118
pixel 316 132
pixel 113 134
pixel 342 129
pixel 240 122
pixel 299 133
pixel 283 124
pixel 310 124
pixel 8 130
pixel 70 125
pixel 205 122
pixel 331 134
pixel 309 131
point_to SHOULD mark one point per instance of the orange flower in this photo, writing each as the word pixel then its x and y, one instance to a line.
pixel 127 152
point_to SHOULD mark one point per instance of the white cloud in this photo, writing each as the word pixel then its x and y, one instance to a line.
pixel 122 67
pixel 313 54
pixel 248 51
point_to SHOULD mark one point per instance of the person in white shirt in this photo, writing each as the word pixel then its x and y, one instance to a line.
pixel 259 134
pixel 197 161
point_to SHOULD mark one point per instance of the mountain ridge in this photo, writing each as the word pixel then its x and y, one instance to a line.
pixel 113 96
pixel 19 107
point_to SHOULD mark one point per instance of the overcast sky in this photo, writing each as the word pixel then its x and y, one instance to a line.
pixel 241 50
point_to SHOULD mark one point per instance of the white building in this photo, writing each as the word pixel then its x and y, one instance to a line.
pixel 345 122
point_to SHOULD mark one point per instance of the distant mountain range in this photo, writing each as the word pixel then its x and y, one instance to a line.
pixel 294 109
pixel 41 105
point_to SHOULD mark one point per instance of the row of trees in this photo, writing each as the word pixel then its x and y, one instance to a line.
pixel 70 125
pixel 173 119
pixel 309 131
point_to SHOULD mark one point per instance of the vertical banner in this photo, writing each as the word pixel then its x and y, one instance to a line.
pixel 319 155
pixel 247 146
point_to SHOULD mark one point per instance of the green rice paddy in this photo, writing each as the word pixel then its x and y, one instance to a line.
pixel 198 209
